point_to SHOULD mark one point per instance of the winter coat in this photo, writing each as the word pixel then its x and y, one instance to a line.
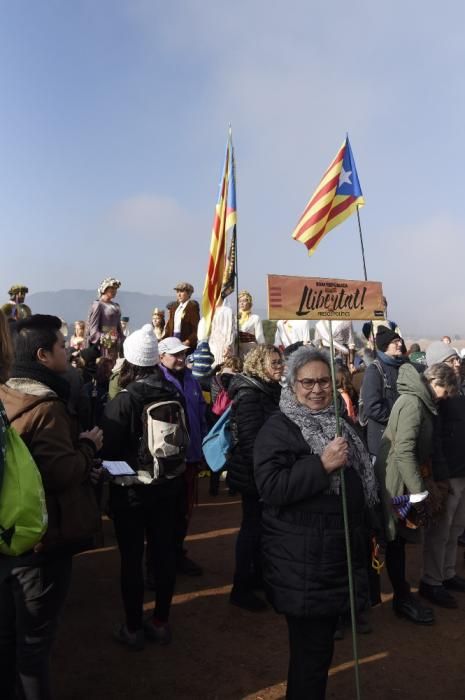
pixel 407 443
pixel 64 461
pixel 191 391
pixel 253 402
pixel 378 400
pixel 122 426
pixel 452 435
pixel 303 542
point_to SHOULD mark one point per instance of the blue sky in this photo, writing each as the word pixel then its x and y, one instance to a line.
pixel 114 120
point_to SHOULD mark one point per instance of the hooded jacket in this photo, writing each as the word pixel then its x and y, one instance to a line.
pixel 64 461
pixel 253 402
pixel 407 443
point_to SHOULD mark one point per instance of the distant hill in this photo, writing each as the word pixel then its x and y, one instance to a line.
pixel 74 304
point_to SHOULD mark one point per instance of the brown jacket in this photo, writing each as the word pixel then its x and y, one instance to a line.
pixel 189 323
pixel 64 461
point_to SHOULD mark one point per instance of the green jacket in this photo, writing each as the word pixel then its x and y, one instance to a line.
pixel 407 442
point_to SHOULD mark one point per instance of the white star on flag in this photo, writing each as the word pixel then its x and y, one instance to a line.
pixel 344 177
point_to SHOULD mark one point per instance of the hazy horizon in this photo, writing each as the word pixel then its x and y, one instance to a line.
pixel 49 302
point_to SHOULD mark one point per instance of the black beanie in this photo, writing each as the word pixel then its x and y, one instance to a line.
pixel 385 336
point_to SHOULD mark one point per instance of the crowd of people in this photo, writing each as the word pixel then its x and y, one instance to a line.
pixel 115 422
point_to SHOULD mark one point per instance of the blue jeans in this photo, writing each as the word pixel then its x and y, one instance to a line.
pixel 31 599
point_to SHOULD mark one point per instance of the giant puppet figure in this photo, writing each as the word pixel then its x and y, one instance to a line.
pixel 184 316
pixel 16 309
pixel 104 323
pixel 250 325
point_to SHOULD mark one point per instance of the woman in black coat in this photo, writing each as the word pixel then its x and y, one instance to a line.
pixel 255 396
pixel 297 472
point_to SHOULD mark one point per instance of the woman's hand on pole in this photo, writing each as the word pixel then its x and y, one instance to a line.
pixel 334 456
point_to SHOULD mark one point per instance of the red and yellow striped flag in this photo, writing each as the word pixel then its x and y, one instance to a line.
pixel 335 198
pixel 225 219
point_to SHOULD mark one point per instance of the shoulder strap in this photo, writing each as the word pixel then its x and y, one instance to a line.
pixel 383 374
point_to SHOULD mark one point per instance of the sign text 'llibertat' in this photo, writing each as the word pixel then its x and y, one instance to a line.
pixel 334 301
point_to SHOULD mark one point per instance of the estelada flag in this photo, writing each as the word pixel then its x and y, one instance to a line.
pixel 335 198
pixel 225 220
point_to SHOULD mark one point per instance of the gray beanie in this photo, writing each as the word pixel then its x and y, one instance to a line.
pixel 439 352
pixel 141 347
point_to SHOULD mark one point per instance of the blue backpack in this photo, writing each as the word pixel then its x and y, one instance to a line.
pixel 217 442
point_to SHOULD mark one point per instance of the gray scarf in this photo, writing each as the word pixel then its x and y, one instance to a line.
pixel 318 429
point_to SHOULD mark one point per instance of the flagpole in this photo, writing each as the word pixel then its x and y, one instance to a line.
pixel 361 242
pixel 237 302
pixel 373 340
pixel 236 261
pixel 346 522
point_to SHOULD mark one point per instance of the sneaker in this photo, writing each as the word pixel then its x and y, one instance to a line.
pixel 456 583
pixel 247 600
pixel 160 633
pixel 133 640
pixel 186 566
pixel 437 595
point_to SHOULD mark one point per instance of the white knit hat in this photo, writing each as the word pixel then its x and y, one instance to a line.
pixel 141 347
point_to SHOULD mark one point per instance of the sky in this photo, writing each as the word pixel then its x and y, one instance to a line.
pixel 113 124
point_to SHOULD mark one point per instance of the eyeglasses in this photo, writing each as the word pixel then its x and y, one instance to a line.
pixel 277 363
pixel 324 383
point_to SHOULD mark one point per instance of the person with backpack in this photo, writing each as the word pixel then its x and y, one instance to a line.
pixel 33 595
pixel 173 365
pixel 378 392
pixel 134 424
pixel 255 397
pixel 220 402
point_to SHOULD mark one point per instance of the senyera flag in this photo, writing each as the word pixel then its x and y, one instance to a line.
pixel 224 221
pixel 335 198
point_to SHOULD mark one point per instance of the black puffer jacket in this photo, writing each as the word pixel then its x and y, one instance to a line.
pixel 254 401
pixel 303 544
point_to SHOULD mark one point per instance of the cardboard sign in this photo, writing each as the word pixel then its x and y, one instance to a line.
pixel 314 298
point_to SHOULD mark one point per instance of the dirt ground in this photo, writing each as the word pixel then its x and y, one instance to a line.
pixel 220 652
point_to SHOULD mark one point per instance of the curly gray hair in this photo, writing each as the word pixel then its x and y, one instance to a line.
pixel 302 357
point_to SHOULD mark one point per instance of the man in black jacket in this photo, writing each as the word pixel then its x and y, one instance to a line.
pixel 379 387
